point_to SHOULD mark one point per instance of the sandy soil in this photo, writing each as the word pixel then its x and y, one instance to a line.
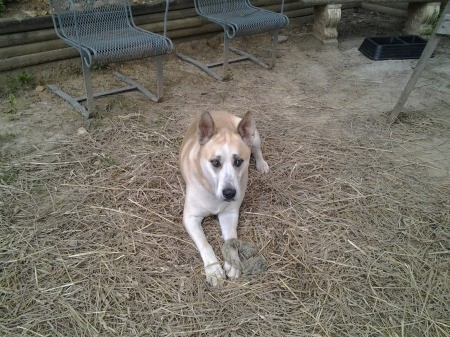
pixel 309 80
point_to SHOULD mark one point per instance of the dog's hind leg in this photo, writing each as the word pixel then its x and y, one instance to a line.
pixel 261 164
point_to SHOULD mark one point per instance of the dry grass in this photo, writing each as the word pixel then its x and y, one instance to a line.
pixel 356 237
pixel 354 229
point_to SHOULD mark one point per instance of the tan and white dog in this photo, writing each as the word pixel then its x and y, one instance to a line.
pixel 214 161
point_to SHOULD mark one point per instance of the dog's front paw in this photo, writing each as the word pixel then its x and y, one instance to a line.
pixel 262 166
pixel 233 264
pixel 214 274
pixel 233 270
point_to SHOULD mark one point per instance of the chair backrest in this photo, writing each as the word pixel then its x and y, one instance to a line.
pixel 77 18
pixel 217 7
pixel 212 7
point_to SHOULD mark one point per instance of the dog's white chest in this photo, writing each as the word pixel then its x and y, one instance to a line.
pixel 204 203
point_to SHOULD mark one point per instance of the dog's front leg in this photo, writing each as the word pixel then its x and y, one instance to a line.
pixel 228 224
pixel 213 270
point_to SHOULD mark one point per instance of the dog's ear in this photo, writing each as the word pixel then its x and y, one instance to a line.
pixel 247 128
pixel 205 128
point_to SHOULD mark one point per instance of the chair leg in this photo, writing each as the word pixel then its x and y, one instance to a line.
pixel 242 56
pixel 273 53
pixel 90 95
pixel 88 88
pixel 160 78
pixel 75 101
pixel 226 49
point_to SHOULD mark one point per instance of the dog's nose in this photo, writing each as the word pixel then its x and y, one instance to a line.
pixel 229 193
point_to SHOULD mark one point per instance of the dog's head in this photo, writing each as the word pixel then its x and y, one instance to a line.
pixel 225 155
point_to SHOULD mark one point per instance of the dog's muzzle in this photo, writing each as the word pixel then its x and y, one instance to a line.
pixel 229 194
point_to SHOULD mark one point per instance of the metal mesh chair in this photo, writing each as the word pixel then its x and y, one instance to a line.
pixel 238 18
pixel 103 31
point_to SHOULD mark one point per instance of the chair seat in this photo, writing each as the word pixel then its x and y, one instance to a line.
pixel 122 45
pixel 249 21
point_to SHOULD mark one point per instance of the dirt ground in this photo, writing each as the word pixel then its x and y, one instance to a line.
pixel 353 218
pixel 306 71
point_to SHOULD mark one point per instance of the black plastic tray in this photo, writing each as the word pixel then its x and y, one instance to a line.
pixel 393 47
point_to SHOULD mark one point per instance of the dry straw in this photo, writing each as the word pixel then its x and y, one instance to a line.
pixel 354 229
pixel 355 235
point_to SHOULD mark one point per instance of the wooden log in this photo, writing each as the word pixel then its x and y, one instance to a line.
pixel 31 48
pixel 69 52
pixel 273 5
pixel 176 8
pixel 56 43
pixel 265 3
pixel 47 47
pixel 177 30
pixel 297 13
pixel 393 4
pixel 158 27
pixel 38 58
pixel 385 9
pixel 9 26
pixel 33 36
pixel 206 28
pixel 301 8
pixel 27 37
pixel 159 17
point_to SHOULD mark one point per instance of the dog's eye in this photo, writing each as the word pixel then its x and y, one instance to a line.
pixel 238 162
pixel 215 163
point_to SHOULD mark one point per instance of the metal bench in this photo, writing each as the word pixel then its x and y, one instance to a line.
pixel 103 32
pixel 238 18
